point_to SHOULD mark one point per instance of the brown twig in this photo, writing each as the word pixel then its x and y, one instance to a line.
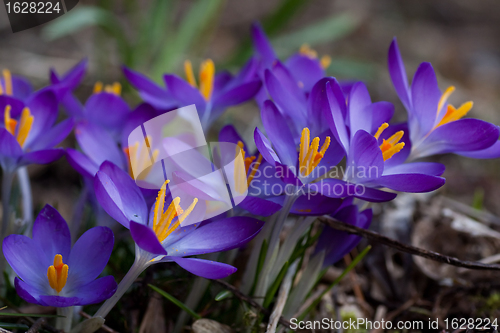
pixel 335 224
pixel 36 326
pixel 250 301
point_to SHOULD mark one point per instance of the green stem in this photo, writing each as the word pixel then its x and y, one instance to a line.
pixel 24 184
pixel 7 178
pixel 140 264
pixel 64 322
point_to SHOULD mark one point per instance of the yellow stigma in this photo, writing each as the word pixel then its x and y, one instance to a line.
pixel 25 124
pixel 7 81
pixel 58 274
pixel 392 145
pixel 207 74
pixel 138 157
pixel 452 113
pixel 307 51
pixel 163 224
pixel 309 156
pixel 115 88
pixel 243 176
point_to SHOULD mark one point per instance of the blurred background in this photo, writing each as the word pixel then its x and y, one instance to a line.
pixel 459 37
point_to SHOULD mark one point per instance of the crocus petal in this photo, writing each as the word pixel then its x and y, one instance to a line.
pixel 43 107
pixel 205 268
pixel 279 134
pixel 146 238
pixel 229 134
pixel 411 182
pixel 317 105
pixel 53 136
pixel 148 89
pixel 15 104
pixel 264 147
pixel 142 113
pixel 59 301
pixel 9 147
pixel 96 291
pixel 398 74
pixel 185 94
pixel 285 99
pixel 315 204
pixel 81 163
pixel 259 206
pixel 490 152
pixel 336 188
pixel 365 155
pixel 425 99
pixel 27 292
pixel 119 195
pixel 98 145
pixel 221 235
pixel 262 44
pixel 107 110
pixel 51 234
pixel 236 95
pixel 305 70
pixel 335 112
pixel 460 135
pixel 89 256
pixel 288 175
pixel 359 116
pixel 382 112
pixel 27 260
pixel 41 156
pixel 427 168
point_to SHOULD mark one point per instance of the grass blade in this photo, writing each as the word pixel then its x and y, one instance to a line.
pixel 175 301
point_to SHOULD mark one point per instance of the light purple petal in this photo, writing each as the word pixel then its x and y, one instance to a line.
pixel 398 75
pixel 317 105
pixel 51 234
pixel 491 152
pixel 315 204
pixel 27 292
pixel 382 112
pixel 425 99
pixel 59 301
pixel 9 147
pixel 146 238
pixel 279 134
pixel 359 115
pixel 205 268
pixel 43 107
pixel 185 94
pixel 118 194
pixel 365 155
pixel 336 188
pixel 81 163
pixel 262 44
pixel 264 147
pixel 334 113
pixel 460 135
pixel 107 110
pixel 27 260
pixel 53 136
pixel 411 182
pixel 96 291
pixel 41 156
pixel 221 235
pixel 89 256
pixel 15 104
pixel 237 95
pixel 427 168
pixel 258 206
pixel 142 113
pixel 98 145
pixel 306 70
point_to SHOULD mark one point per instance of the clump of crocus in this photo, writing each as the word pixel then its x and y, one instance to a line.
pixel 50 272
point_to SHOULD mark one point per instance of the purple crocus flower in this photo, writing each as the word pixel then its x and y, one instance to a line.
pixel 304 66
pixel 358 127
pixel 211 95
pixel 51 273
pixel 336 243
pixel 301 165
pixel 27 130
pixel 435 126
pixel 159 234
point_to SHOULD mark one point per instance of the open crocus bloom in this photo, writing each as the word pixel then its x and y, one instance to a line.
pixel 27 131
pixel 368 149
pixel 160 236
pixel 51 273
pixel 437 127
